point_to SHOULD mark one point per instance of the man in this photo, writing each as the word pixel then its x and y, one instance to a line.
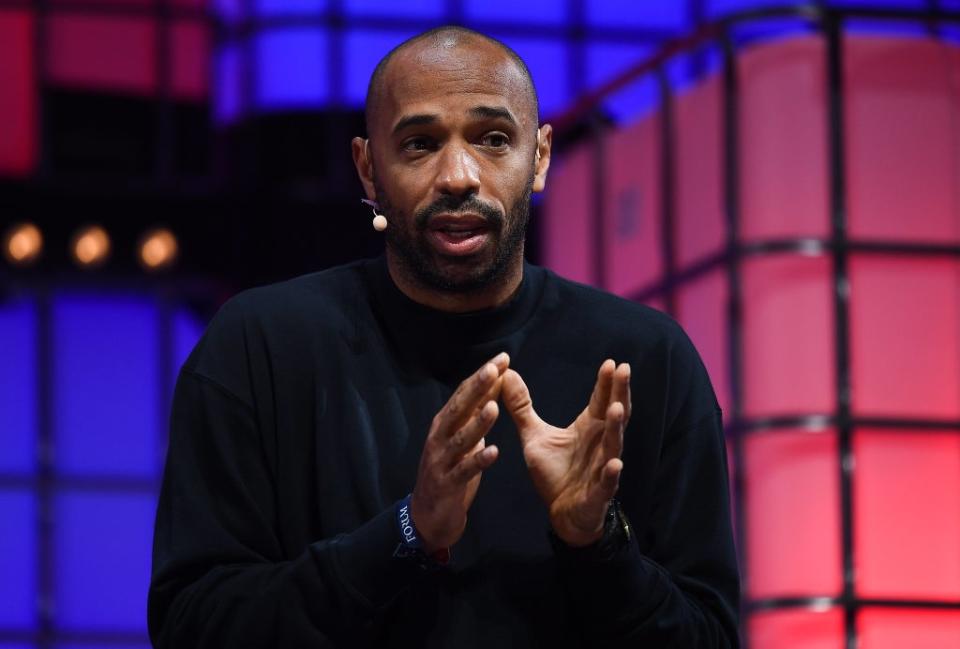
pixel 339 472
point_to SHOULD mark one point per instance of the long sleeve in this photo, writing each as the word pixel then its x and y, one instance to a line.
pixel 676 583
pixel 682 590
pixel 219 578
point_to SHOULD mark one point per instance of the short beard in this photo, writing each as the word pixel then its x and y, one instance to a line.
pixel 407 241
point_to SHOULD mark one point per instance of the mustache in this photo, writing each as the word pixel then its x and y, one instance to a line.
pixel 452 204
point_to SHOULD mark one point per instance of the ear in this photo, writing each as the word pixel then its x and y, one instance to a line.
pixel 363 161
pixel 544 142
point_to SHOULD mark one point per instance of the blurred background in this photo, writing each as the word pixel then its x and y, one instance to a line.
pixel 783 180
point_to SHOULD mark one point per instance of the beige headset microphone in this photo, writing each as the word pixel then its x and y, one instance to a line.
pixel 379 220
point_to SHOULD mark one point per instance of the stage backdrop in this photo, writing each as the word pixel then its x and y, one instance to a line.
pixel 813 258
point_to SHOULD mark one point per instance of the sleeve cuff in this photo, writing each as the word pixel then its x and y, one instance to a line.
pixel 367 562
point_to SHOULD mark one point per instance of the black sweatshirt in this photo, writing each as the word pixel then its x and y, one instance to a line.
pixel 298 423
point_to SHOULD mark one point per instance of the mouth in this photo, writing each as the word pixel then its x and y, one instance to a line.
pixel 458 234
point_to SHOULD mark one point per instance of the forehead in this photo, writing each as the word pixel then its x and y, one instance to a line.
pixel 449 77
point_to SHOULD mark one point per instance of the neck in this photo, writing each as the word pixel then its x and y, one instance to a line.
pixel 487 297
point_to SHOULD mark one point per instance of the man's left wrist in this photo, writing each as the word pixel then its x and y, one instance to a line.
pixel 613 534
pixel 577 538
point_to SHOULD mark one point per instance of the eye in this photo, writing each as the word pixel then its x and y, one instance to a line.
pixel 495 140
pixel 418 144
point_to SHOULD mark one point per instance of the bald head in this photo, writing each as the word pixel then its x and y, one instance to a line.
pixel 443 46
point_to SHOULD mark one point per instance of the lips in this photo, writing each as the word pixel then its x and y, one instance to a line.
pixel 458 234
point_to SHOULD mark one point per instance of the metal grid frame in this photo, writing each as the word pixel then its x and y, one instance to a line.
pixel 830 22
pixel 46 481
pixel 839 246
pixel 164 14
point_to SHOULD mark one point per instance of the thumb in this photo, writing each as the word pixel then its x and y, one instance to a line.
pixel 516 398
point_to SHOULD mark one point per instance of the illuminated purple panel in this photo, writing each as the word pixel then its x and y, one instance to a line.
pixel 18 379
pixel 363 49
pixel 633 253
pixel 105 385
pixel 630 13
pixel 4 645
pixel 549 61
pixel 289 7
pixel 901 118
pixel 102 545
pixel 701 309
pixel 788 355
pixel 228 97
pixel 568 240
pixel 605 61
pixel 783 139
pixel 229 10
pixel 405 9
pixel 291 68
pixel 699 178
pixel 533 11
pixel 904 319
pixel 18 559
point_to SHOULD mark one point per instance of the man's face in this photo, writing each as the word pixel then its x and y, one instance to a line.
pixel 453 164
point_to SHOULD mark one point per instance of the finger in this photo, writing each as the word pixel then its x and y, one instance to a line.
pixel 610 478
pixel 470 394
pixel 461 442
pixel 516 398
pixel 613 433
pixel 601 390
pixel 473 464
pixel 621 389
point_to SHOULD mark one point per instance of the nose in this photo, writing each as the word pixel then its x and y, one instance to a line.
pixel 459 171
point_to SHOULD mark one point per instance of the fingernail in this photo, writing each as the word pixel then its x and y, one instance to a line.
pixel 499 358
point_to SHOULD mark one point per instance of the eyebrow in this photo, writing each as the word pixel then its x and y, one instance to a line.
pixel 414 120
pixel 493 112
pixel 483 112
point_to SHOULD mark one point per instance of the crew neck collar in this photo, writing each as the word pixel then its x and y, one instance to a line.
pixel 410 319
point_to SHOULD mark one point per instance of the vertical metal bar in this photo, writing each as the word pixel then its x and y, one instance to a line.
pixel 46 470
pixel 731 191
pixel 667 187
pixel 833 24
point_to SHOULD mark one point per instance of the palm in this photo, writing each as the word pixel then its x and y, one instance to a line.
pixel 575 469
pixel 564 463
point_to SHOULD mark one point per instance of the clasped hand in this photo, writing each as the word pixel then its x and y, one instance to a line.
pixel 576 470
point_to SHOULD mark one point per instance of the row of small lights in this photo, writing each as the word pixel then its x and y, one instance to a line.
pixel 89 247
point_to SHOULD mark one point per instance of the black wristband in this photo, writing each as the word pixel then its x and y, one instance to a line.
pixel 410 547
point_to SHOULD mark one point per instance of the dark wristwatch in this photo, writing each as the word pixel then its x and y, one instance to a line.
pixel 616 534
